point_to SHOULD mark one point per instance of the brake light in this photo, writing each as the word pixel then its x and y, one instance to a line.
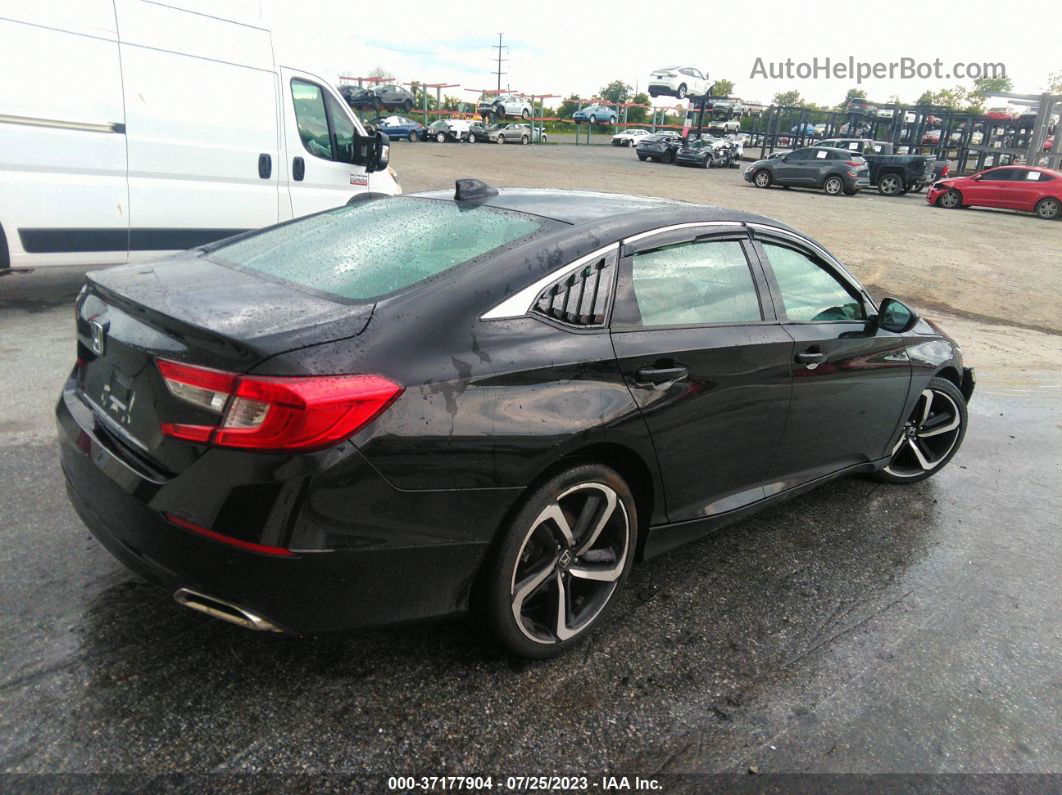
pixel 282 413
pixel 855 163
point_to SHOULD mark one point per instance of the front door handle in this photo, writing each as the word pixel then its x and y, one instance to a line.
pixel 298 169
pixel 660 375
pixel 811 359
pixel 265 166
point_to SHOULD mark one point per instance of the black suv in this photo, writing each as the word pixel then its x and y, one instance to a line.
pixel 832 170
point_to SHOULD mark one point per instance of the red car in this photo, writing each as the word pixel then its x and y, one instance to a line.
pixel 1032 190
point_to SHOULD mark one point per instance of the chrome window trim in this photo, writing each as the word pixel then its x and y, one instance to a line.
pixel 520 303
pixel 677 227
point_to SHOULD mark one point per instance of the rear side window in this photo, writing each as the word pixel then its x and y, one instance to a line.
pixel 367 250
pixel 694 284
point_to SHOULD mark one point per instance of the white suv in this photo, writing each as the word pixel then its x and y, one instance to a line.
pixel 678 81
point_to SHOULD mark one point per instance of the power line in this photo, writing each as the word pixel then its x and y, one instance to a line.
pixel 499 47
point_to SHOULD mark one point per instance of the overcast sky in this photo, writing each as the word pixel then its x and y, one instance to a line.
pixel 566 47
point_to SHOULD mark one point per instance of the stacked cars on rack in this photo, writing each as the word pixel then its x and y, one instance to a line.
pixel 449 130
pixel 503 106
pixel 678 81
pixel 596 114
pixel 384 97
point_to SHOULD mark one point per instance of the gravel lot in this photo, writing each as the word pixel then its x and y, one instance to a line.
pixel 985 268
pixel 860 628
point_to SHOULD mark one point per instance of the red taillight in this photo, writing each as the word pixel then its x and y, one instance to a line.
pixel 276 412
pixel 856 163
pixel 945 171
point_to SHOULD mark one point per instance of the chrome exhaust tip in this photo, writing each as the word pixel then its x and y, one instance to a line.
pixel 225 611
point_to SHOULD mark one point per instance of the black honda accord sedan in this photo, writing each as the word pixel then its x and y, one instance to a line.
pixel 412 406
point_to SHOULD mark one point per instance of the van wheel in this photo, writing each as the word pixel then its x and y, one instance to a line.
pixel 560 562
pixel 833 185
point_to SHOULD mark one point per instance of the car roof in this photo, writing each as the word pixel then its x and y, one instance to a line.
pixel 588 207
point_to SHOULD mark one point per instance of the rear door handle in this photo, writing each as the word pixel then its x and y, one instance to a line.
pixel 298 169
pixel 811 359
pixel 265 166
pixel 660 375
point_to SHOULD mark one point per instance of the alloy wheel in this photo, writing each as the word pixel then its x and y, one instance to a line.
pixel 950 200
pixel 1048 209
pixel 928 436
pixel 833 186
pixel 762 179
pixel 891 185
pixel 570 563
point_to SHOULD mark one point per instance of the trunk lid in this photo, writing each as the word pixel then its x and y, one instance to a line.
pixel 190 310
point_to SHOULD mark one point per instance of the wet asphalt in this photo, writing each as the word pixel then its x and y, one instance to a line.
pixel 862 628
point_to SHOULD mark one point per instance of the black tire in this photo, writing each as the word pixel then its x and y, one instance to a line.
pixel 681 94
pixel 950 199
pixel 593 118
pixel 642 158
pixel 440 137
pixel 762 178
pixel 525 140
pixel 535 550
pixel 407 106
pixel 851 191
pixel 669 157
pixel 918 187
pixel 412 136
pixel 891 185
pixel 501 138
pixel 912 452
pixel 833 185
pixel 1048 208
pixel 525 114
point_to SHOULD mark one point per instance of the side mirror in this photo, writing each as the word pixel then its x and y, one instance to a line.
pixel 785 158
pixel 896 317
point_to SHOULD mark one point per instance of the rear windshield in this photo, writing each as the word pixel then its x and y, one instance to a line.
pixel 367 250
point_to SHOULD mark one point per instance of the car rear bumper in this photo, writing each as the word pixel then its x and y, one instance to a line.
pixel 386 576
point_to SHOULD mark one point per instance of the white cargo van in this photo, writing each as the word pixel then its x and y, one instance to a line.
pixel 130 128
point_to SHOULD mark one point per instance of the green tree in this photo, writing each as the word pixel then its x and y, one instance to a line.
pixel 451 103
pixel 722 88
pixel 927 99
pixel 569 106
pixel 788 98
pixel 639 115
pixel 616 91
pixel 984 87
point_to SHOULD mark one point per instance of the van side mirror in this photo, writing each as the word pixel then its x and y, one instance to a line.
pixel 372 150
pixel 896 317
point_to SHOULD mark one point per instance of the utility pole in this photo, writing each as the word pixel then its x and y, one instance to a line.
pixel 499 47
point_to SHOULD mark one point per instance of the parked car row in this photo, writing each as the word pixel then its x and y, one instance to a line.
pixel 1025 188
pixel 704 150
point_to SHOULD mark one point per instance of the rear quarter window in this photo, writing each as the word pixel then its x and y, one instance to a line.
pixel 365 251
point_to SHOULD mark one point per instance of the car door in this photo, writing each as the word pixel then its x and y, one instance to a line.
pixel 994 188
pixel 317 130
pixel 705 360
pixel 850 378
pixel 1028 187
pixel 794 168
